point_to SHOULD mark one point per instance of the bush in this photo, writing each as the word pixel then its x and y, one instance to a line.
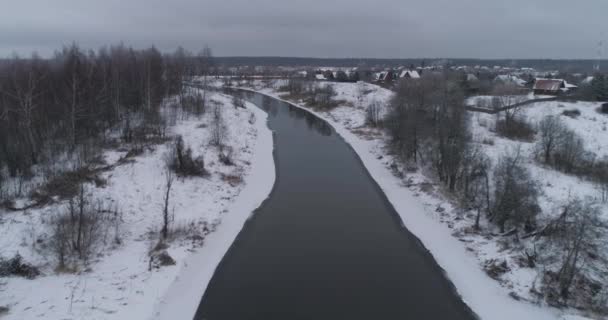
pixel 372 114
pixel 181 161
pixel 604 108
pixel 515 129
pixel 80 231
pixel 17 267
pixel 572 113
pixel 66 185
pixel 225 156
pixel 193 102
pixel 575 240
pixel 515 195
pixel 323 97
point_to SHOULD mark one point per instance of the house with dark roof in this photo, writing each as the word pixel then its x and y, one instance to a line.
pixel 552 86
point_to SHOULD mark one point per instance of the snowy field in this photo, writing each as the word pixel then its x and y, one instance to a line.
pixel 208 213
pixel 443 228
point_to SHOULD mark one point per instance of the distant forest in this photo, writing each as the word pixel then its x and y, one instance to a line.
pixel 585 66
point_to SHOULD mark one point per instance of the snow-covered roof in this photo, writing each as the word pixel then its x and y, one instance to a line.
pixel 381 76
pixel 472 77
pixel 588 80
pixel 507 78
pixel 412 74
pixel 319 76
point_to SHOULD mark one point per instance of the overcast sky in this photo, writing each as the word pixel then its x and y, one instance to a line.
pixel 314 28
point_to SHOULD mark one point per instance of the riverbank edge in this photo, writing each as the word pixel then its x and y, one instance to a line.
pixel 483 295
pixel 182 298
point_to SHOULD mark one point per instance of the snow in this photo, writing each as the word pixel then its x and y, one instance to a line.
pixel 442 227
pixel 118 284
pixel 412 74
pixel 507 78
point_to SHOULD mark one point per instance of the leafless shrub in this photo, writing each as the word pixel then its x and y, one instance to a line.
pixel 237 101
pixel 219 130
pixel 572 113
pixel 372 115
pixel 67 184
pixel 15 266
pixel 181 162
pixel 293 86
pixel 488 141
pixel 515 128
pixel 515 195
pixel 551 132
pixel 322 97
pixel 193 101
pixel 233 179
pixel 569 154
pixel 169 178
pixel 83 229
pixel 226 155
pixel 576 238
pixel 495 269
pixel 476 181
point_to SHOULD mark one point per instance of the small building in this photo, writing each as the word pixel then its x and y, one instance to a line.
pixel 320 77
pixel 384 76
pixel 510 79
pixel 552 86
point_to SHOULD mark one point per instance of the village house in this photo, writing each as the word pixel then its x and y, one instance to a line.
pixel 552 86
pixel 409 74
pixel 510 79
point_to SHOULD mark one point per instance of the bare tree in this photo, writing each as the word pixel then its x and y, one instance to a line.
pixel 169 178
pixel 578 234
pixel 569 153
pixel 515 194
pixel 373 114
pixel 218 127
pixel 551 130
pixel 476 181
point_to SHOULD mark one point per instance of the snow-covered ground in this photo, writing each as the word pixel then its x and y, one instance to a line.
pixel 486 101
pixel 442 227
pixel 209 211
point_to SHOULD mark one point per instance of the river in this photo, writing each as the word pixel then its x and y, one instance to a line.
pixel 326 244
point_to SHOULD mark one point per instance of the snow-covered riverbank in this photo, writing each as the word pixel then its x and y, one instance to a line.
pixel 425 215
pixel 208 214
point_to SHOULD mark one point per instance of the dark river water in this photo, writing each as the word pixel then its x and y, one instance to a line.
pixel 326 244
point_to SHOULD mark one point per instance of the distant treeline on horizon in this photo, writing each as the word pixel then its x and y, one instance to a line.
pixel 563 65
pixel 571 65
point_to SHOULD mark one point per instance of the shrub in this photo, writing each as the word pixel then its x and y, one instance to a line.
pixel 574 240
pixel 604 108
pixel 66 185
pixel 372 115
pixel 193 102
pixel 17 267
pixel 572 113
pixel 225 156
pixel 181 162
pixel 515 195
pixel 516 129
pixel 83 228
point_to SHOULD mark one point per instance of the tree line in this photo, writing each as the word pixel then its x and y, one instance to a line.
pixel 427 126
pixel 72 101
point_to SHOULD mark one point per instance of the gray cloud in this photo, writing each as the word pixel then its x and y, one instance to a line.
pixel 320 28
